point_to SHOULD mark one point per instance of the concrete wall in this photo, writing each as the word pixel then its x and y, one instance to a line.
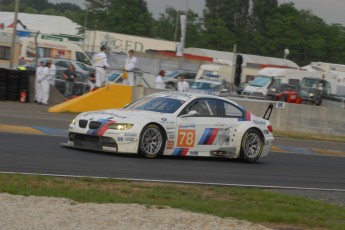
pixel 295 117
pixel 300 117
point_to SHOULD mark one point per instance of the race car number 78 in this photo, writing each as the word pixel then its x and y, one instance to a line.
pixel 185 138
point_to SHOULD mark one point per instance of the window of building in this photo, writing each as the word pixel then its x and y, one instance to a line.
pixel 5 53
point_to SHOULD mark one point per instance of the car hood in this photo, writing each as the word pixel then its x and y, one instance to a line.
pixel 123 115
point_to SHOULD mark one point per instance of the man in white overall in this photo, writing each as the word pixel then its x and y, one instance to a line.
pixel 100 61
pixel 129 68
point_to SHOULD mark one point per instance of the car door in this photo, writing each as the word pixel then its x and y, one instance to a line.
pixel 211 132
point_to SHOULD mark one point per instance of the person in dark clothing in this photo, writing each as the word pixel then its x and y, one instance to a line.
pixel 69 75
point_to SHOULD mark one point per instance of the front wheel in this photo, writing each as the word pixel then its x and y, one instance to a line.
pixel 152 141
pixel 251 146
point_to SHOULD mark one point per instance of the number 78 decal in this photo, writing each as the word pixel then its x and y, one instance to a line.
pixel 185 138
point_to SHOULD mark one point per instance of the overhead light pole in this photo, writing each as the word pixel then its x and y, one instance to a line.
pixel 13 48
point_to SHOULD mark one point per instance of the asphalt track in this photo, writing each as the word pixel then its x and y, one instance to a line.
pixel 30 141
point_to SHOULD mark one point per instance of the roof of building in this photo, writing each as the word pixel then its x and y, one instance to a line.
pixel 40 22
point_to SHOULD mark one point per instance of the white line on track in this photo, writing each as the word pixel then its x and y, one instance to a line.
pixel 181 182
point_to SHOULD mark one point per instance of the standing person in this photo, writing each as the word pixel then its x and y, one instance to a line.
pixel 39 76
pixel 159 83
pixel 129 68
pixel 182 85
pixel 69 75
pixel 43 85
pixel 52 72
pixel 100 61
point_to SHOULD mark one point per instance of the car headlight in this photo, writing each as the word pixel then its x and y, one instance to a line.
pixel 120 126
pixel 311 94
pixel 273 89
pixel 74 121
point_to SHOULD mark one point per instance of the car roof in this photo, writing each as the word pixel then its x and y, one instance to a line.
pixel 191 95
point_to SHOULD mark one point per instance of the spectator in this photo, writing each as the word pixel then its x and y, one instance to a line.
pixel 100 61
pixel 39 76
pixel 182 85
pixel 69 75
pixel 52 72
pixel 159 83
pixel 129 68
pixel 43 84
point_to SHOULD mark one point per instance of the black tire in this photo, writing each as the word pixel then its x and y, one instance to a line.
pixel 152 141
pixel 252 145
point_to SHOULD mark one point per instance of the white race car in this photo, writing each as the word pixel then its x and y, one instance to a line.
pixel 177 124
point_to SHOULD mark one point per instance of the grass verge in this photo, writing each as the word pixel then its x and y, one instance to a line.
pixel 255 205
pixel 308 136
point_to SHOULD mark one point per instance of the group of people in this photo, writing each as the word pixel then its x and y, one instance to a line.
pixel 45 76
pixel 100 62
pixel 182 84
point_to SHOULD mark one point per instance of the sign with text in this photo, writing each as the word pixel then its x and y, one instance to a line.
pixel 280 105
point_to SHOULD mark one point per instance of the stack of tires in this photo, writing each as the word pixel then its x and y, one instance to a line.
pixel 12 83
pixel 13 79
pixel 3 84
pixel 24 83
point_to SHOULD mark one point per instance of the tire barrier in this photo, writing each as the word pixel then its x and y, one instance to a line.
pixel 12 83
pixel 3 84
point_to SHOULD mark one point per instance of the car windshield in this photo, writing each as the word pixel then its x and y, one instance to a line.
pixel 205 85
pixel 260 81
pixel 82 66
pixel 113 76
pixel 309 83
pixel 172 74
pixel 157 104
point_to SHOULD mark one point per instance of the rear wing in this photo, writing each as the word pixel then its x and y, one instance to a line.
pixel 268 112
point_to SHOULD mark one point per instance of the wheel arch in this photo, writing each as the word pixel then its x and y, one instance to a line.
pixel 160 126
pixel 242 139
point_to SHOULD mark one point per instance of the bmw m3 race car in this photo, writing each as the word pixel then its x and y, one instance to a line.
pixel 177 124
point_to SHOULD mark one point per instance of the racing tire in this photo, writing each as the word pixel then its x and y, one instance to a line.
pixel 251 146
pixel 152 141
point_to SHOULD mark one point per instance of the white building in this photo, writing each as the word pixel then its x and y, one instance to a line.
pixel 46 24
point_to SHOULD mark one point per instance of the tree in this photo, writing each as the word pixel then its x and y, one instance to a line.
pixel 122 16
pixel 234 13
pixel 217 36
pixel 261 11
pixel 168 26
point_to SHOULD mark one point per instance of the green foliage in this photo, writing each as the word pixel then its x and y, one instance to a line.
pixel 121 16
pixel 254 205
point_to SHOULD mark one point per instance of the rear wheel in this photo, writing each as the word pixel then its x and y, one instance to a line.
pixel 251 146
pixel 152 141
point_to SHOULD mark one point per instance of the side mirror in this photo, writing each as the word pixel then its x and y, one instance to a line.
pixel 190 114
